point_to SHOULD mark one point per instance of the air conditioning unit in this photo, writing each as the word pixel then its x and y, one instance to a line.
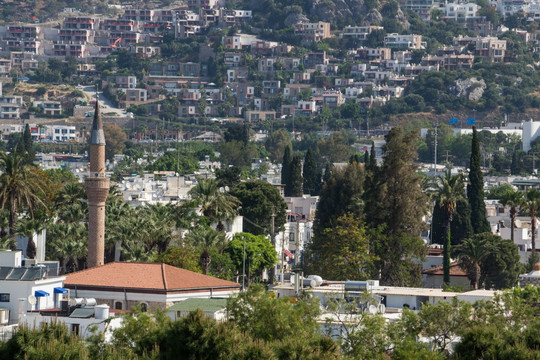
pixel 4 316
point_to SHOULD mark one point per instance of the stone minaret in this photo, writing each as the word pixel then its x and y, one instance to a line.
pixel 97 189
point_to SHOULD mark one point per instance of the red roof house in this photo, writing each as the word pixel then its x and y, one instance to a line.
pixel 123 285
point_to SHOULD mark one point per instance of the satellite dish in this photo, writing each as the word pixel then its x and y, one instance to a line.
pixel 32 300
pixel 382 308
pixel 372 309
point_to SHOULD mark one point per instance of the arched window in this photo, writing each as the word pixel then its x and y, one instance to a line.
pixel 144 307
pixel 118 305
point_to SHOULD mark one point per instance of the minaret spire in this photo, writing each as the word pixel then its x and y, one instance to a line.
pixel 97 189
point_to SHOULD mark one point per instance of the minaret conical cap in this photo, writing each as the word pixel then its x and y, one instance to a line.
pixel 97 137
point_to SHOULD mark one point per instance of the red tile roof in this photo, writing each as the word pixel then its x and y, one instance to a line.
pixel 455 270
pixel 147 276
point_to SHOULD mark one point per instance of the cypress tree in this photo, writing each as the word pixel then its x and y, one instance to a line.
pixel 20 148
pixel 28 145
pixel 475 189
pixel 327 173
pixel 312 175
pixel 286 166
pixel 446 258
pixel 373 157
pixel 295 181
pixel 366 158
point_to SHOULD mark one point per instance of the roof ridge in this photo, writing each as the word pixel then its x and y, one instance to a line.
pixel 164 277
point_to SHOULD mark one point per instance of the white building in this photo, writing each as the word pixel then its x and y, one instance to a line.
pixel 459 12
pixel 410 41
pixel 29 288
pixel 531 130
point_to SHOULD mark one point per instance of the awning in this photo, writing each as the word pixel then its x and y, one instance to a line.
pixel 59 290
pixel 289 254
pixel 41 293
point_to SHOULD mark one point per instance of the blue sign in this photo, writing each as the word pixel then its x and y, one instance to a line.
pixel 454 120
pixel 471 121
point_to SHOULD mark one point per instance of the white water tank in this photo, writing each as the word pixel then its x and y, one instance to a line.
pixel 101 311
pixel 89 302
pixel 317 278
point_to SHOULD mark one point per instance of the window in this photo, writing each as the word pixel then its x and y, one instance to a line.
pixel 118 305
pixel 291 237
pixel 75 328
pixel 144 307
pixel 4 297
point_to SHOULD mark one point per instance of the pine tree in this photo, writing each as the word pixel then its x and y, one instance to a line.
pixel 286 166
pixel 294 187
pixel 475 189
pixel 312 175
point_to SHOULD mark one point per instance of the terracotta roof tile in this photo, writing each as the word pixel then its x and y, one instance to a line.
pixel 455 270
pixel 144 276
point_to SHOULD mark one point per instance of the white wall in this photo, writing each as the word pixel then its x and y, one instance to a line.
pixel 22 289
pixel 36 321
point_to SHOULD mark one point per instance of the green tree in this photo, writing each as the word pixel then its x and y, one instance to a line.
pixel 115 139
pixel 344 253
pixel 449 190
pixel 276 143
pixel 460 227
pixel 237 132
pixel 260 254
pixel 475 188
pixel 286 167
pixel 338 196
pixel 216 204
pixel 261 204
pixel 205 239
pixel 395 204
pixel 28 144
pixel 294 187
pixel 311 173
pixel 472 252
pixel 513 199
pixel 21 186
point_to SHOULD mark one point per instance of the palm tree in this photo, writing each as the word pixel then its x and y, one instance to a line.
pixel 514 199
pixel 71 193
pixel 27 227
pixel 206 239
pixel 531 204
pixel 215 202
pixel 20 185
pixel 471 252
pixel 449 189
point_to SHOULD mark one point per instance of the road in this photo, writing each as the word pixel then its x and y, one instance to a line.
pixel 105 105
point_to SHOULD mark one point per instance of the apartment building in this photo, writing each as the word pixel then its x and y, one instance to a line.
pixel 491 49
pixel 410 41
pixel 313 32
pixel 359 33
